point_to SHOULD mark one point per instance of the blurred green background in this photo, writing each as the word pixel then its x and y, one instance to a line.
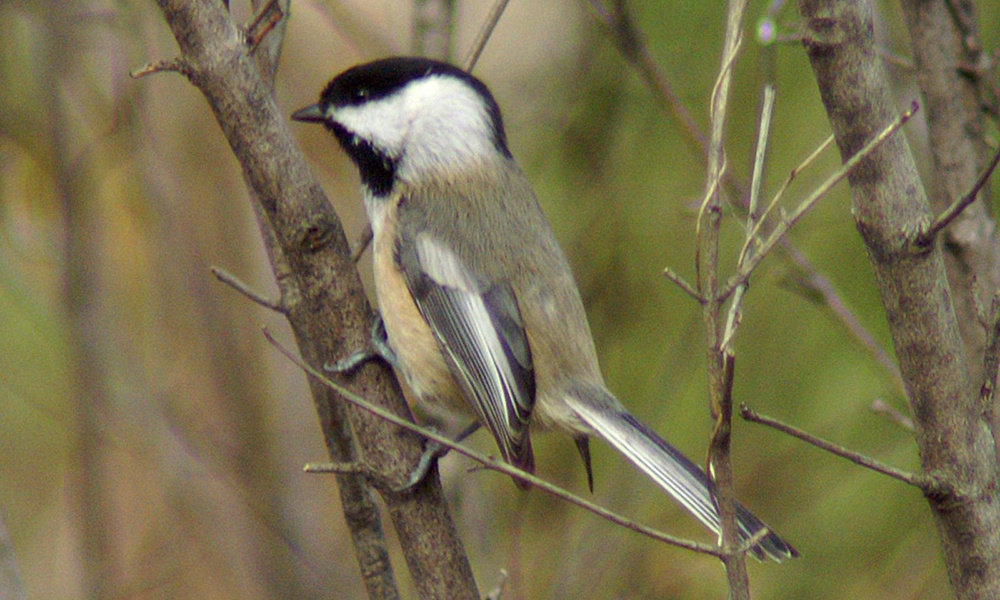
pixel 145 421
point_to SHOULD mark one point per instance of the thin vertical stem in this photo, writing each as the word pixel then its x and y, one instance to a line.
pixel 720 363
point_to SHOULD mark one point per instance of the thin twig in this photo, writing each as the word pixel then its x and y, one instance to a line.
pixel 485 33
pixel 490 462
pixel 763 135
pixel 720 361
pixel 235 283
pixel 926 237
pixel 882 407
pixel 735 308
pixel 628 39
pixel 788 222
pixel 751 239
pixel 263 22
pixel 682 283
pixel 174 65
pixel 913 479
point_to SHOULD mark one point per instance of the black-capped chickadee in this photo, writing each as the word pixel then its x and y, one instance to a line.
pixel 480 309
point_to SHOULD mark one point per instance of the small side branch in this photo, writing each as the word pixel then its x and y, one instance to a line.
pixel 753 212
pixel 241 287
pixel 926 237
pixel 263 22
pixel 920 481
pixel 174 65
pixel 882 407
pixel 755 232
pixel 786 223
pixel 682 283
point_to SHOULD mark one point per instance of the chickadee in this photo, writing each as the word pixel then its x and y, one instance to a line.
pixel 481 312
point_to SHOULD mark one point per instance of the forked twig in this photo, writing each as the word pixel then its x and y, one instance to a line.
pixel 682 283
pixel 751 239
pixel 788 222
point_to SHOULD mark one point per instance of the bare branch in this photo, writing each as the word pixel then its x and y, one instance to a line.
pixel 913 479
pixel 485 33
pixel 241 287
pixel 882 407
pixel 263 22
pixel 326 304
pixel 788 222
pixel 927 236
pixel 890 207
pixel 488 462
pixel 763 131
pixel 755 233
pixel 176 65
pixel 632 46
pixel 720 361
pixel 683 284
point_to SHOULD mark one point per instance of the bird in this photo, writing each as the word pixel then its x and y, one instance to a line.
pixel 479 310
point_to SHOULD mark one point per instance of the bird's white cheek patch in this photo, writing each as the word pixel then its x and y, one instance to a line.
pixel 383 123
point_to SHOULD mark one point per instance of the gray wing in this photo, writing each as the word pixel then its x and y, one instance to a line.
pixel 479 329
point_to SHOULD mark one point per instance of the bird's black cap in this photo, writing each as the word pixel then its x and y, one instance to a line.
pixel 381 78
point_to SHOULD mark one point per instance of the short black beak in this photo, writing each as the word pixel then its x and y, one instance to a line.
pixel 310 114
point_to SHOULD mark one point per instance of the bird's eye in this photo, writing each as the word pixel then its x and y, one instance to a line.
pixel 361 94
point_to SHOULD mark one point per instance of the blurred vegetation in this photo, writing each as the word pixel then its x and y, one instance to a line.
pixel 148 432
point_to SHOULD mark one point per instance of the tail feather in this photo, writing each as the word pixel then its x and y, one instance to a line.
pixel 677 474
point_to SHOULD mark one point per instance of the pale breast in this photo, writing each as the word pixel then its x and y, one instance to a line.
pixel 423 367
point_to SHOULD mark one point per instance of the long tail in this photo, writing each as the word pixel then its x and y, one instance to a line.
pixel 675 473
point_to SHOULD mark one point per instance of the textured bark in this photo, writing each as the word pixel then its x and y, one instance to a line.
pixel 325 305
pixel 890 208
pixel 945 54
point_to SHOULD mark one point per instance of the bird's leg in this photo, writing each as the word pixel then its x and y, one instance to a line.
pixel 378 347
pixel 432 452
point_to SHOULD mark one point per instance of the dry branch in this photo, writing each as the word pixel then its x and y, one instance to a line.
pixel 325 304
pixel 890 208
